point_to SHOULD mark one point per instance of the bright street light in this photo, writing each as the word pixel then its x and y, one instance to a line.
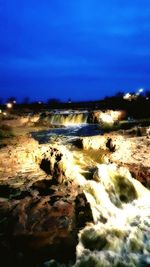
pixel 9 105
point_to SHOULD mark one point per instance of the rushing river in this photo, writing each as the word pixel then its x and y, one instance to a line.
pixel 120 233
pixel 69 132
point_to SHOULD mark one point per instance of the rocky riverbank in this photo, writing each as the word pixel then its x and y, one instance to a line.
pixel 42 207
pixel 49 193
pixel 130 150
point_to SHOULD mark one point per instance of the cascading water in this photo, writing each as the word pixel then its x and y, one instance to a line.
pixel 74 117
pixel 120 234
pixel 68 125
pixel 66 119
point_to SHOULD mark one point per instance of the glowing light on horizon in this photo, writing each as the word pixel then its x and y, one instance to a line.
pixel 106 118
pixel 127 96
pixel 110 116
pixel 9 105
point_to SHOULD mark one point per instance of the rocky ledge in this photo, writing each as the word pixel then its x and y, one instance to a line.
pixel 125 148
pixel 42 208
pixel 44 192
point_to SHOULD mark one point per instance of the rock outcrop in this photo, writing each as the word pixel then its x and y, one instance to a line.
pixel 42 208
pixel 48 194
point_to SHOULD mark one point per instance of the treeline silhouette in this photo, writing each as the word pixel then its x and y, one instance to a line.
pixel 137 107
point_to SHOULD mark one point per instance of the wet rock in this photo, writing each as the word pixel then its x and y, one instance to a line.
pixel 125 189
pixel 43 187
pixel 89 173
pixel 44 226
pixel 6 191
pixel 3 145
pixel 93 117
pixel 91 240
pixel 58 174
pixel 78 142
pixel 139 131
pixel 83 211
pixel 110 145
pixel 140 172
pixel 45 165
pixel 38 227
pixel 52 164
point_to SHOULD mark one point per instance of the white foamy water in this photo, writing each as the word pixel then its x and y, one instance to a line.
pixel 120 234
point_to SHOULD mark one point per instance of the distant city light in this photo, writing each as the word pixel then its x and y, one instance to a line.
pixel 127 96
pixel 14 102
pixel 9 105
pixel 106 118
pixel 0 111
pixel 111 116
pixel 4 113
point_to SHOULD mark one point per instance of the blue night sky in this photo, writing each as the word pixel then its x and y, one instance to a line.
pixel 83 49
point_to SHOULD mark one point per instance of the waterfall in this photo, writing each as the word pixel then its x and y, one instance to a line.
pixel 120 234
pixel 66 119
pixel 74 117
